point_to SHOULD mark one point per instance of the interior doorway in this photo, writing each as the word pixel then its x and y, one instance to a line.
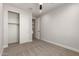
pixel 13 27
pixel 33 29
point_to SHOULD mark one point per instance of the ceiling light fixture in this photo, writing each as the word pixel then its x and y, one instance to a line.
pixel 41 7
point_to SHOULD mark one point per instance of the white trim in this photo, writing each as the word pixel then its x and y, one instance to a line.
pixel 5 46
pixel 64 46
pixel 1 51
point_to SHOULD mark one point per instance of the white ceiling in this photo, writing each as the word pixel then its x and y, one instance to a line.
pixel 35 7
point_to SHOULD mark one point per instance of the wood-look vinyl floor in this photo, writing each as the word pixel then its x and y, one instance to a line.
pixel 37 48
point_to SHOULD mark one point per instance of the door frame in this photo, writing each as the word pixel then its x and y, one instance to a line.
pixel 17 24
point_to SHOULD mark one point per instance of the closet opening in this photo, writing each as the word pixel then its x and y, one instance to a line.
pixel 13 28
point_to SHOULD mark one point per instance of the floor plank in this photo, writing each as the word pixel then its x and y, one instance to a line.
pixel 37 48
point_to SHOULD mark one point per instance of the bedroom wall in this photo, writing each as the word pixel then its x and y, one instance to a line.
pixel 61 26
pixel 1 28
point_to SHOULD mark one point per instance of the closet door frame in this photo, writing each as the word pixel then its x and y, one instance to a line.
pixel 16 24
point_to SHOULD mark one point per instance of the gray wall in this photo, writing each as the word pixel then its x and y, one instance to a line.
pixel 1 26
pixel 61 26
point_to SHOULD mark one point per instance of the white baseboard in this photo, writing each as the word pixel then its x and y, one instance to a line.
pixel 1 51
pixel 64 46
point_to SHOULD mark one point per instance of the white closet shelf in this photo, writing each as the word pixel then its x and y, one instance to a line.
pixel 14 23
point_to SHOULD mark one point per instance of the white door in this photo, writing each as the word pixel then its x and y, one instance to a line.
pixel 13 36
